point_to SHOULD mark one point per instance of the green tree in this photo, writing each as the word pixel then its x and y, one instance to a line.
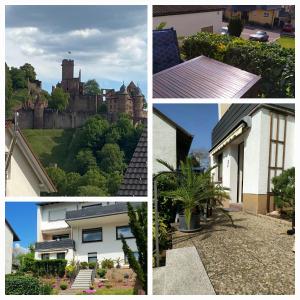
pixel 59 99
pixel 29 71
pixel 72 182
pixel 91 87
pixel 90 190
pixel 114 181
pixel 235 27
pixel 111 158
pixel 18 78
pixel 85 160
pixel 8 83
pixel 94 178
pixel 94 131
pixel 138 225
pixel 58 177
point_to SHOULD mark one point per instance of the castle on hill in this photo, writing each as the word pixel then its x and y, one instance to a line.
pixel 128 100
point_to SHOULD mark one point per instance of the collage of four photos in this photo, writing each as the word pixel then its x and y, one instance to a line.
pixel 208 154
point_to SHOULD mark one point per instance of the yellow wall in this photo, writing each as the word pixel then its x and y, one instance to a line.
pixel 258 16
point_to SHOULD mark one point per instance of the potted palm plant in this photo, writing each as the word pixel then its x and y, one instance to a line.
pixel 195 192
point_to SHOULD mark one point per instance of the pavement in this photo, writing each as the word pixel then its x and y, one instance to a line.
pixel 253 258
pixel 273 34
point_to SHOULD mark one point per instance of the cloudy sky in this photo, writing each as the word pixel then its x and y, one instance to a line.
pixel 108 43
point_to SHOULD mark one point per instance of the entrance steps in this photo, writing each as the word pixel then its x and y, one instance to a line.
pixel 184 274
pixel 83 280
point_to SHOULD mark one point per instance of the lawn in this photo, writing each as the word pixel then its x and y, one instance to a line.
pixel 53 146
pixel 113 291
pixel 286 42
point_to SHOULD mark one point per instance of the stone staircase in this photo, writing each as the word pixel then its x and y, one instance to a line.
pixel 184 274
pixel 82 280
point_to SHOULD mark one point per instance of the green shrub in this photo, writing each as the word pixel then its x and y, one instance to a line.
pixel 107 263
pixel 235 27
pixel 27 262
pixel 84 265
pixel 92 265
pixel 63 286
pixel 275 64
pixel 284 189
pixel 21 285
pixel 101 273
pixel 50 267
pixel 46 289
pixel 70 271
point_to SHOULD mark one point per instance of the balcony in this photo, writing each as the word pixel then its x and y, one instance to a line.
pixel 55 245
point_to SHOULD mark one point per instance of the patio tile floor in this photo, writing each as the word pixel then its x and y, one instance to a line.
pixel 255 257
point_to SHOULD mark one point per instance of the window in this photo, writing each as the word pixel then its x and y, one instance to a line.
pixel 57 215
pixel 60 237
pixel 125 231
pixel 61 255
pixel 45 256
pixel 92 235
pixel 220 167
pixel 92 257
pixel 136 255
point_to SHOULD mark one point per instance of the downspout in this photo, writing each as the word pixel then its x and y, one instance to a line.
pixel 11 148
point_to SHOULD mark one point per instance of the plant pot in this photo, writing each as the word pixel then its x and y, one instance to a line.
pixel 194 223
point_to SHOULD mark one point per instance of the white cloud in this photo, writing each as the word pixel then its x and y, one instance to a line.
pixel 85 33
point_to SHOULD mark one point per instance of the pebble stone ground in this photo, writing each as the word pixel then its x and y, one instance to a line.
pixel 253 258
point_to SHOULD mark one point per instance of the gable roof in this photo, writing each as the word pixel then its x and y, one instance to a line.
pixel 15 236
pixel 236 114
pixel 32 159
pixel 167 10
pixel 135 178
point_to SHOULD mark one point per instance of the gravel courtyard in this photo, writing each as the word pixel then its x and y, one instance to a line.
pixel 255 257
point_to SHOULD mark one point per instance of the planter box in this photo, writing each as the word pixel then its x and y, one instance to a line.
pixel 194 224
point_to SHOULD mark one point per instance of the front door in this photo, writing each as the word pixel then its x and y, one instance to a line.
pixel 240 172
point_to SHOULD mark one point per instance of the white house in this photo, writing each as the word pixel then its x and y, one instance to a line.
pixel 251 144
pixel 24 173
pixel 10 238
pixel 83 231
pixel 189 19
pixel 171 142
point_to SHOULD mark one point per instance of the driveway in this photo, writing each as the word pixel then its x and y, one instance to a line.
pixel 254 257
pixel 273 34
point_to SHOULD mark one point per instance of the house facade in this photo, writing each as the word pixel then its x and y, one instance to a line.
pixel 84 232
pixel 10 238
pixel 24 173
pixel 189 19
pixel 256 14
pixel 171 142
pixel 251 144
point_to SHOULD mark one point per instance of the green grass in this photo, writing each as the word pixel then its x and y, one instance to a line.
pixel 286 42
pixel 113 291
pixel 53 146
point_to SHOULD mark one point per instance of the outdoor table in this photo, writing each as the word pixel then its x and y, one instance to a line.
pixel 203 77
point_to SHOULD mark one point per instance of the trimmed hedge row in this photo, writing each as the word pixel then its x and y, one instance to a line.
pixel 50 267
pixel 25 285
pixel 275 64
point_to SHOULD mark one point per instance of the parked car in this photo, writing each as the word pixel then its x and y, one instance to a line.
pixel 288 28
pixel 224 30
pixel 260 36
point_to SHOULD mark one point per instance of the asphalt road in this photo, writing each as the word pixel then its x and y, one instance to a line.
pixel 273 34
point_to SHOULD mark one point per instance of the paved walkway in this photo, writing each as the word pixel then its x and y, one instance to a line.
pixel 255 257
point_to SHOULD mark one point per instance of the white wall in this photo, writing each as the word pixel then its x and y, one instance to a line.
pixel 164 144
pixel 290 143
pixel 189 24
pixel 69 254
pixel 110 247
pixel 22 181
pixel 9 239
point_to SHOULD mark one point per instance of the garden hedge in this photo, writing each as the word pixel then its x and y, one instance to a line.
pixel 21 285
pixel 50 267
pixel 275 64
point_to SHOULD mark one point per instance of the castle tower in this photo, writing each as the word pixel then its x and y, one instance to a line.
pixel 123 99
pixel 138 105
pixel 67 69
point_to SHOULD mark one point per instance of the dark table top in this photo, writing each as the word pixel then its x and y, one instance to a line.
pixel 202 77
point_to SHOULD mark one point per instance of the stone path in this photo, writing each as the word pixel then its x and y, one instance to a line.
pixel 255 257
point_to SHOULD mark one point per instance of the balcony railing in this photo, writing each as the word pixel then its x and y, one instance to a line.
pixel 55 245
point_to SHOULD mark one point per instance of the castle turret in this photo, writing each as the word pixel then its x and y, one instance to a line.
pixel 67 69
pixel 138 105
pixel 124 101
